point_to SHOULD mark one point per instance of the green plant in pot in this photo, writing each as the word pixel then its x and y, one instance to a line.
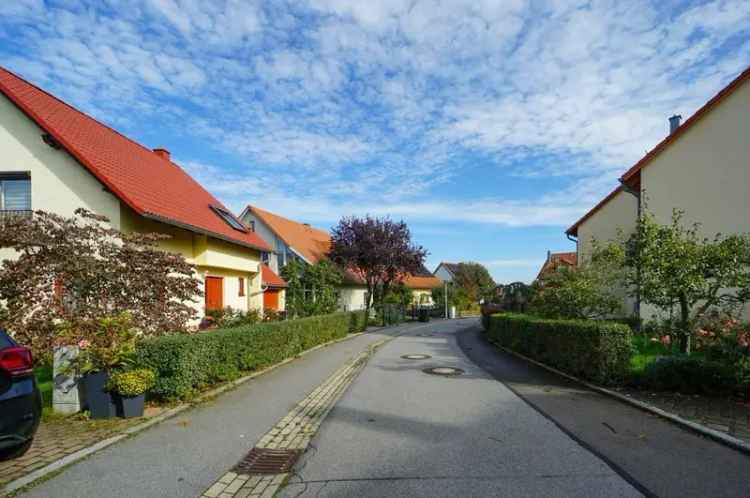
pixel 130 387
pixel 104 345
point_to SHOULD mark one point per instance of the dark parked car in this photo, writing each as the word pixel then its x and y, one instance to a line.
pixel 20 400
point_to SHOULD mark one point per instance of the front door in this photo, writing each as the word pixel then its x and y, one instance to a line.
pixel 214 293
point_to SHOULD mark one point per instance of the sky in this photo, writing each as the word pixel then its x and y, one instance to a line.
pixel 488 126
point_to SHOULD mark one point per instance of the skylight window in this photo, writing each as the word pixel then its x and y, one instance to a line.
pixel 229 219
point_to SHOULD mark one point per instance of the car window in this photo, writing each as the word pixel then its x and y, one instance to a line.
pixel 5 340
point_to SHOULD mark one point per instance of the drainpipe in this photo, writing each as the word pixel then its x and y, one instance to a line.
pixel 627 188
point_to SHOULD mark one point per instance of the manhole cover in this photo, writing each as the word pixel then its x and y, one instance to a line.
pixel 425 335
pixel 416 356
pixel 267 461
pixel 446 371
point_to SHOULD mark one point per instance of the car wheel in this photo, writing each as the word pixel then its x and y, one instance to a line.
pixel 15 451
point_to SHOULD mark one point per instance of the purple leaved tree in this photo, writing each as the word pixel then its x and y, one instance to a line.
pixel 378 250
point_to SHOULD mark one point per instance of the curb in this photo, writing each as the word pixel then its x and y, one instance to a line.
pixel 57 465
pixel 700 429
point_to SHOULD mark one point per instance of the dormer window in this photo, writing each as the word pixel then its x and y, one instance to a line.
pixel 229 219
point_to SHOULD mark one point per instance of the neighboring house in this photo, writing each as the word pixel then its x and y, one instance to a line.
pixel 274 289
pixel 291 240
pixel 421 285
pixel 446 271
pixel 57 159
pixel 702 167
pixel 555 262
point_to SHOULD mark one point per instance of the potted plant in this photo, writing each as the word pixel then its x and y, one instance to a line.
pixel 130 388
pixel 104 345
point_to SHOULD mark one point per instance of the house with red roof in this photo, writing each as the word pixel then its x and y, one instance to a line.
pixel 555 262
pixel 291 240
pixel 701 167
pixel 58 159
pixel 421 284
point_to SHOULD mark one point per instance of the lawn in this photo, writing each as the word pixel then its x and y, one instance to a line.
pixel 46 384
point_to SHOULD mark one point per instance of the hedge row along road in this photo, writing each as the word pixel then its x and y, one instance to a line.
pixel 502 428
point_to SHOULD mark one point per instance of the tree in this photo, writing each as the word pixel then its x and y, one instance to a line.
pixel 311 288
pixel 80 270
pixel 673 266
pixel 587 291
pixel 377 250
pixel 475 281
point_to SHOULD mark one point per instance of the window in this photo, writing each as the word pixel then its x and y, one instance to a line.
pixel 15 192
pixel 265 257
pixel 242 286
pixel 229 219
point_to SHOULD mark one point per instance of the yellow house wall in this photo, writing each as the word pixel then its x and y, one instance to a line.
pixel 418 296
pixel 613 221
pixel 352 298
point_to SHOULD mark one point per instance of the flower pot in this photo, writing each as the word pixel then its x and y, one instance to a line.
pixel 99 400
pixel 130 406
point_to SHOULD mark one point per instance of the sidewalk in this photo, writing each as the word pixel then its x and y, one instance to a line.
pixel 183 456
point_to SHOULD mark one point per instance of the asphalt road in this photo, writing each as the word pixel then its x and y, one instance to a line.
pixel 182 457
pixel 401 432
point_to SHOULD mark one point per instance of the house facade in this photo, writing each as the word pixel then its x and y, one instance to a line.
pixel 58 159
pixel 446 271
pixel 290 240
pixel 702 168
pixel 421 285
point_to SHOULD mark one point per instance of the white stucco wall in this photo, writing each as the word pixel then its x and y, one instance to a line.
pixel 614 221
pixel 352 298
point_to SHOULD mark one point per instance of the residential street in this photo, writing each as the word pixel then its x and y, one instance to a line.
pixel 398 431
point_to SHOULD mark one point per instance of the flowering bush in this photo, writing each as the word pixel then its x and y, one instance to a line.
pixel 103 344
pixel 132 382
pixel 723 337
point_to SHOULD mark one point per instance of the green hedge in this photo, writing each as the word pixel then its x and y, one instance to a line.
pixel 590 349
pixel 185 364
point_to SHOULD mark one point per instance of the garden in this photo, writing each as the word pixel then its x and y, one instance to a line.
pixel 695 343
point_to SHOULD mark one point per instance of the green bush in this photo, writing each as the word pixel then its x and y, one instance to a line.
pixel 132 382
pixel 590 349
pixel 187 363
pixel 688 375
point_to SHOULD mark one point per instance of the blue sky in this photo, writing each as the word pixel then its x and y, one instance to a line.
pixel 489 126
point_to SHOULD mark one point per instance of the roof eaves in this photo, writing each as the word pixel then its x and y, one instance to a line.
pixel 573 230
pixel 681 130
pixel 202 231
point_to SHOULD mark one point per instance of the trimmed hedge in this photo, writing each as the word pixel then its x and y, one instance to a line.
pixel 688 375
pixel 591 349
pixel 185 364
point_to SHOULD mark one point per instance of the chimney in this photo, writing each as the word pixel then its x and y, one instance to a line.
pixel 163 153
pixel 674 123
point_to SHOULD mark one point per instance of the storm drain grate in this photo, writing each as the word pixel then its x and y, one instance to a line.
pixel 267 461
pixel 445 371
pixel 416 356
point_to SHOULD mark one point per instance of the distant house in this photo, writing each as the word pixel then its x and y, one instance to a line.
pixel 446 271
pixel 421 284
pixel 555 262
pixel 57 159
pixel 701 167
pixel 290 240
pixel 274 289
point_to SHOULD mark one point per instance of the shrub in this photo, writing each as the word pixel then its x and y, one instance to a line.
pixel 132 382
pixel 591 349
pixel 184 364
pixel 687 374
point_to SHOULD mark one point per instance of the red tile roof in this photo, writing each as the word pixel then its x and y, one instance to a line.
pixel 631 176
pixel 311 243
pixel 557 259
pixel 422 282
pixel 271 279
pixel 148 182
pixel 573 230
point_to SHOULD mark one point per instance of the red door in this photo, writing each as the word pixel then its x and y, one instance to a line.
pixel 271 299
pixel 214 293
